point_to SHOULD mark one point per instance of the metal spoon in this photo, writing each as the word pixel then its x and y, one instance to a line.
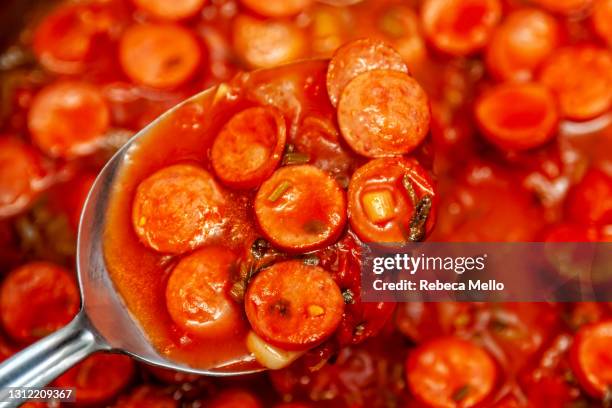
pixel 103 323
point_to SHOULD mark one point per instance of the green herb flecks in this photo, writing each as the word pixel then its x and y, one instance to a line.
pixel 407 183
pixel 279 191
pixel 295 158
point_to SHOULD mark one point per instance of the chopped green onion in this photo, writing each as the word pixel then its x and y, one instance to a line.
pixel 279 191
pixel 410 189
pixel 295 158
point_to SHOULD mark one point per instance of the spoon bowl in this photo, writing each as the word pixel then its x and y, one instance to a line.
pixel 104 322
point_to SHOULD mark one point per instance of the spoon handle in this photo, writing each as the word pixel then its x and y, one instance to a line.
pixel 43 361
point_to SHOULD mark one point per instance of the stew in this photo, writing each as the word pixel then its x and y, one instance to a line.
pixel 439 120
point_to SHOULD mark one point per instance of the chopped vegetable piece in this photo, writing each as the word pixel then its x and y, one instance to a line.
pixel 437 372
pixel 50 293
pixel 355 58
pixel 20 173
pixel 98 378
pixel 517 116
pixel 300 208
pixel 590 357
pixel 407 221
pixel 278 304
pixel 268 355
pixel 277 8
pixel 196 293
pixel 581 79
pixel 170 9
pixel 68 118
pixel 249 147
pixel 159 55
pixel 407 184
pixel 254 38
pixel 279 191
pixel 178 208
pixel 315 310
pixel 383 113
pixel 460 27
pixel 521 44
pixel 295 158
pixel 379 205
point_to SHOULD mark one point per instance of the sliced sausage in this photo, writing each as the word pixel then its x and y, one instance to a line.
pixel 391 200
pixel 196 293
pixel 249 147
pixel 300 208
pixel 383 113
pixel 357 57
pixel 178 208
pixel 294 306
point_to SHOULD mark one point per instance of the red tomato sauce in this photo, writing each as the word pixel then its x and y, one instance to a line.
pixel 139 273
